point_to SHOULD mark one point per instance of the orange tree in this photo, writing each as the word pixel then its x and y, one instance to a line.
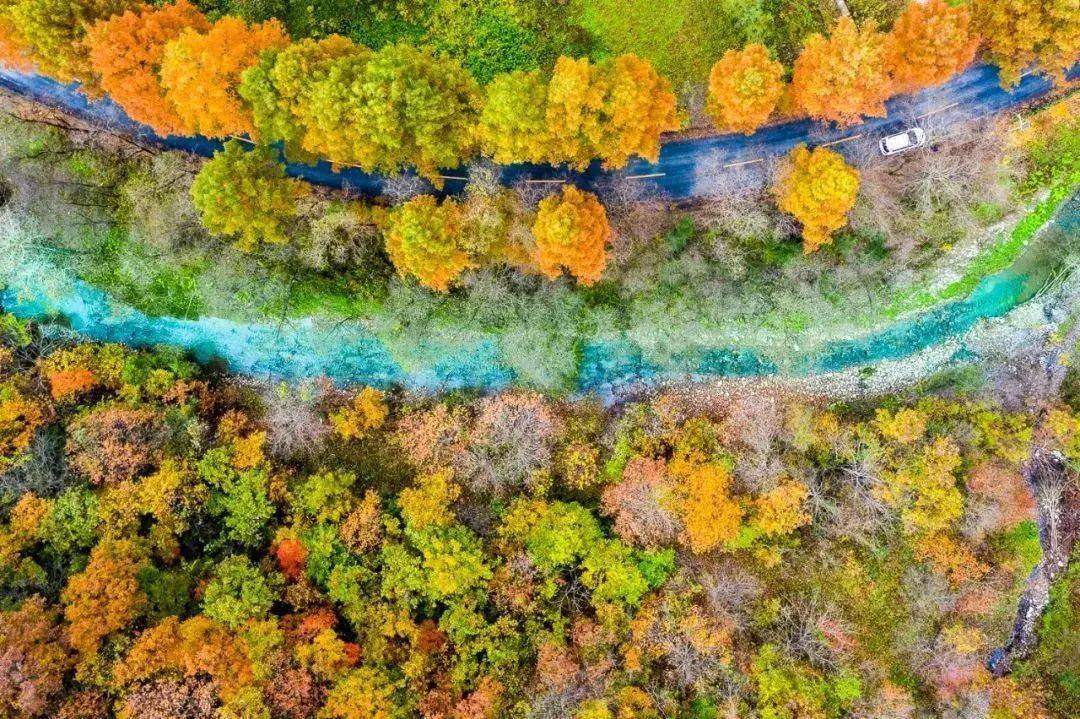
pixel 844 76
pixel 609 111
pixel 423 239
pixel 818 188
pixel 1019 32
pixel 571 231
pixel 744 87
pixel 246 195
pixel 200 72
pixel 14 51
pixel 126 52
pixel 105 597
pixel 53 32
pixel 929 43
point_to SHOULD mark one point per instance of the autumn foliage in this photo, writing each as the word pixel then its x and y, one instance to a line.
pixel 844 76
pixel 200 72
pixel 711 515
pixel 818 188
pixel 1020 32
pixel 513 122
pixel 366 412
pixel 53 32
pixel 33 659
pixel 115 444
pixel 126 53
pixel 279 88
pixel 14 52
pixel 572 232
pixel 744 88
pixel 929 43
pixel 423 238
pixel 611 111
pixel 380 110
pixel 475 557
pixel 104 597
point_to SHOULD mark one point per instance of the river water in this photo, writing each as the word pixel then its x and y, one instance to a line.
pixel 349 354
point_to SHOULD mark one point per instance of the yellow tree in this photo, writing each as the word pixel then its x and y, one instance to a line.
pixel 246 195
pixel 201 73
pixel 423 239
pixel 744 87
pixel 573 98
pixel 818 188
pixel 513 123
pixel 571 231
pixel 365 413
pixel 126 52
pixel 711 515
pixel 53 32
pixel 929 43
pixel 1019 32
pixel 639 106
pixel 842 77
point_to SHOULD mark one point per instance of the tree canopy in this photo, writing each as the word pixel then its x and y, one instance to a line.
pixel 818 188
pixel 201 71
pixel 245 194
pixel 844 76
pixel 744 88
pixel 126 53
pixel 929 43
pixel 571 232
pixel 423 238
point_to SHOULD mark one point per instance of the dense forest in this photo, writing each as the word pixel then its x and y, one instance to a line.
pixel 503 480
pixel 178 543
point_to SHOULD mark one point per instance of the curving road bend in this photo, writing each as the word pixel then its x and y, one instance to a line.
pixel 686 169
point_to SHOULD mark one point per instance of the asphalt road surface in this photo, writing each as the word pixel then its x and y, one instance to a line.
pixel 686 169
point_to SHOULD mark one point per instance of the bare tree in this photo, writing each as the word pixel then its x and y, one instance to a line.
pixel 810 629
pixel 293 421
pixel 511 440
pixel 404 186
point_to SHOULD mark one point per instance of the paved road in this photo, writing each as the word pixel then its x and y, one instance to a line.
pixel 686 168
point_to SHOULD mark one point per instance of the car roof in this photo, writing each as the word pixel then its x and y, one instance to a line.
pixel 898 141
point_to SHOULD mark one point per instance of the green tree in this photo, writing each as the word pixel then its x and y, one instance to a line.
pixel 326 496
pixel 240 499
pixel 400 106
pixel 610 571
pixel 278 88
pixel 238 592
pixel 70 526
pixel 246 195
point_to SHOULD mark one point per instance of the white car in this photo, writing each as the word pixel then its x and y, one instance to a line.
pixel 901 141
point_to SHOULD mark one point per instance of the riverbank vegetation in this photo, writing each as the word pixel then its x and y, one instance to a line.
pixel 179 543
pixel 726 271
